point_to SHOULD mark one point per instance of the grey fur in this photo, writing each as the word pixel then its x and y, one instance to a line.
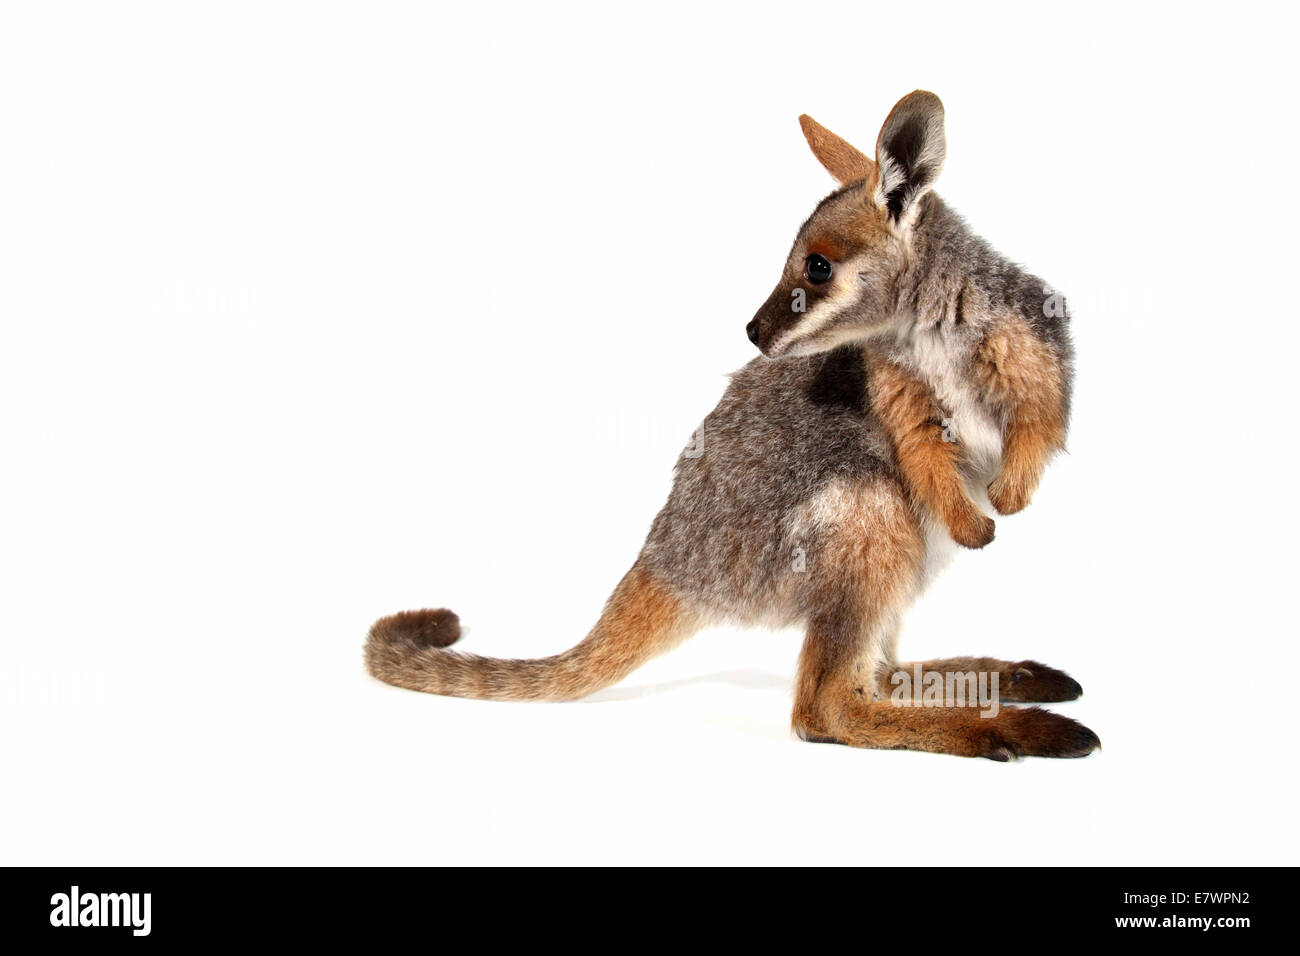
pixel 769 447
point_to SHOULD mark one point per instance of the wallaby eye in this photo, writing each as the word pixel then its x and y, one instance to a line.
pixel 817 268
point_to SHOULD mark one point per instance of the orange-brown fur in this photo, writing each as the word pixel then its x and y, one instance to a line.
pixel 1017 680
pixel 1022 376
pixel 641 619
pixel 1018 374
pixel 844 160
pixel 929 465
pixel 844 662
pixel 961 731
pixel 877 561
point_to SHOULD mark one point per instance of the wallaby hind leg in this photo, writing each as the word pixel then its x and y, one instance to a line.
pixel 834 704
pixel 870 576
pixel 1017 681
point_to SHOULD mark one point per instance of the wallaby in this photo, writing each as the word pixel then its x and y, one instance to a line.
pixel 909 375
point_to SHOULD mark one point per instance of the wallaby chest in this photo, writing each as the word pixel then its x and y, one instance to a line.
pixel 942 357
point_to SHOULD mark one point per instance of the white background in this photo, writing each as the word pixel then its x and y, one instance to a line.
pixel 316 312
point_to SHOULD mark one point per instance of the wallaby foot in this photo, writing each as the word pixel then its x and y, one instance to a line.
pixel 961 731
pixel 1022 682
pixel 844 653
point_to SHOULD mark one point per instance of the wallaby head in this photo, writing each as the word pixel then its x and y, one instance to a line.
pixel 841 280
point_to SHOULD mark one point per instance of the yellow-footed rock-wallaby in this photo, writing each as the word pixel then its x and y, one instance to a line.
pixel 911 380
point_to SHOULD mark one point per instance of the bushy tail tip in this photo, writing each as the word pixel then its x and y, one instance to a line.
pixel 425 628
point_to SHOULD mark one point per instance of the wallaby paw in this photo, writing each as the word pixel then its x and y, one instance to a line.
pixel 1033 732
pixel 1008 496
pixel 972 529
pixel 1038 683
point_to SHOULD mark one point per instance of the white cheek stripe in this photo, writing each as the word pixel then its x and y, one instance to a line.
pixel 828 309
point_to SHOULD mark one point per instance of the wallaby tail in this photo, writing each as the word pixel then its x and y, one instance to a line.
pixel 641 619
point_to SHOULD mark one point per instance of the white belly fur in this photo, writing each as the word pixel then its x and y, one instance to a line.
pixel 941 363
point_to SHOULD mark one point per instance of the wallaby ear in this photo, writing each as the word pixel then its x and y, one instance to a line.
pixel 841 158
pixel 909 153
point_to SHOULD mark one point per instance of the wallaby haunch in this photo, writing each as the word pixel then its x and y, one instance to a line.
pixel 911 378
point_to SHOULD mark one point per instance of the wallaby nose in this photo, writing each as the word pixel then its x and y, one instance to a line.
pixel 752 331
